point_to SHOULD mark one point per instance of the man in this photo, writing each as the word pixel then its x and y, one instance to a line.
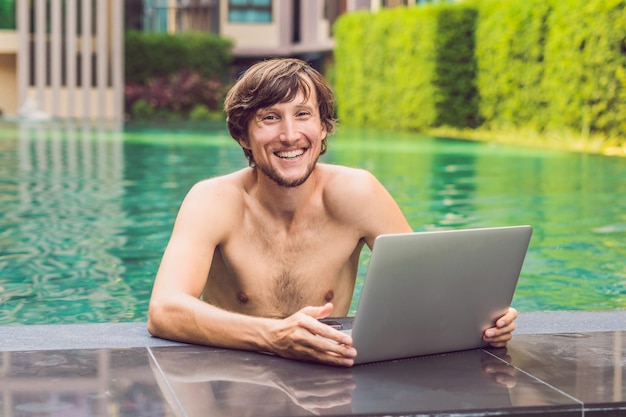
pixel 257 256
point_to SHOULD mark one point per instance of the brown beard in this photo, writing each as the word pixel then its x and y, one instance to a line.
pixel 273 175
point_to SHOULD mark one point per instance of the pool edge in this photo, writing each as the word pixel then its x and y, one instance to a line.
pixel 135 334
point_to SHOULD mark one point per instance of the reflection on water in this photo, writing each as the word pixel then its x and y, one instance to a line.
pixel 85 212
pixel 61 215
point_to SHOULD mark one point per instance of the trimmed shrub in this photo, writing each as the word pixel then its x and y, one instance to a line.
pixel 383 68
pixel 348 69
pixel 585 66
pixel 510 43
pixel 406 68
pixel 532 65
pixel 456 68
pixel 150 54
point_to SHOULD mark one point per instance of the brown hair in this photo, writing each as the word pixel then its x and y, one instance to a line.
pixel 275 81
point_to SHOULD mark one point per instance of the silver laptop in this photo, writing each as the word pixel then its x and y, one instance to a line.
pixel 433 292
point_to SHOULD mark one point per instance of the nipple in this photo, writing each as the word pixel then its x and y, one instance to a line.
pixel 329 296
pixel 243 297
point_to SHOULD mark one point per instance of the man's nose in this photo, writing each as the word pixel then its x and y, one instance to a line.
pixel 290 131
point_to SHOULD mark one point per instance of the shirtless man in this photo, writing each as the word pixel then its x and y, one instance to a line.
pixel 257 256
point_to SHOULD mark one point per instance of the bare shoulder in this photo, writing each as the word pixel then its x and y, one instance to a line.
pixel 338 176
pixel 215 198
pixel 356 197
pixel 229 187
pixel 349 184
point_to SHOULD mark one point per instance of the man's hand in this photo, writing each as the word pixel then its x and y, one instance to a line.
pixel 499 336
pixel 301 336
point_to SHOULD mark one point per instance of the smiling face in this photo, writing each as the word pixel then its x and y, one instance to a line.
pixel 285 139
pixel 270 84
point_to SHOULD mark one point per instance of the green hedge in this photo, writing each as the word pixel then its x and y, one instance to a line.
pixel 394 69
pixel 150 54
pixel 455 72
pixel 521 64
pixel 585 66
pixel 510 44
pixel 553 65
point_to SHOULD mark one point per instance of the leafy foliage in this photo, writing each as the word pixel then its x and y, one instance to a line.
pixel 172 74
pixel 538 65
pixel 401 68
pixel 150 54
pixel 510 43
pixel 585 67
pixel 455 73
pixel 176 93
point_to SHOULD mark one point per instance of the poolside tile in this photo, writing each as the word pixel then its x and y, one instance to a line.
pixel 574 374
pixel 588 366
pixel 225 382
pixel 80 383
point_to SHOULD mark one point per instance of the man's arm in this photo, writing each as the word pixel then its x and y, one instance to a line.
pixel 177 313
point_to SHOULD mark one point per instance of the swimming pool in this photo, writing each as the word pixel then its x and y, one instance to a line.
pixel 85 212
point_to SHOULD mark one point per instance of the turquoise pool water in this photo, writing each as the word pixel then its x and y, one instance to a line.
pixel 85 212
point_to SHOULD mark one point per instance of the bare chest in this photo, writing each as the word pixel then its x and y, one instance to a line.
pixel 269 272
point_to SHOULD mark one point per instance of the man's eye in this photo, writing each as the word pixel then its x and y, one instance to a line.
pixel 270 117
pixel 303 114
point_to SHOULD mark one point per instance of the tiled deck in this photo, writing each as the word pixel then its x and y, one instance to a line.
pixel 559 364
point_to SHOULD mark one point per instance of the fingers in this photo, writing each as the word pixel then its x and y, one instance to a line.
pixel 318 312
pixel 323 349
pixel 332 345
pixel 321 329
pixel 499 336
pixel 508 318
pixel 301 336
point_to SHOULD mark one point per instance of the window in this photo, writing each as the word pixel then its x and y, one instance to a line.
pixel 250 11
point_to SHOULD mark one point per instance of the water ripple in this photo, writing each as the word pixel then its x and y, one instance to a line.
pixel 85 214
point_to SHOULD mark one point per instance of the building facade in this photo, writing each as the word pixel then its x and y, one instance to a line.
pixel 63 59
pixel 258 28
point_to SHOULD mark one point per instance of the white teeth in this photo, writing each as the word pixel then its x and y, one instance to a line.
pixel 290 154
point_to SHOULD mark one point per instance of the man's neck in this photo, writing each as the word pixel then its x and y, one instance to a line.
pixel 285 203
